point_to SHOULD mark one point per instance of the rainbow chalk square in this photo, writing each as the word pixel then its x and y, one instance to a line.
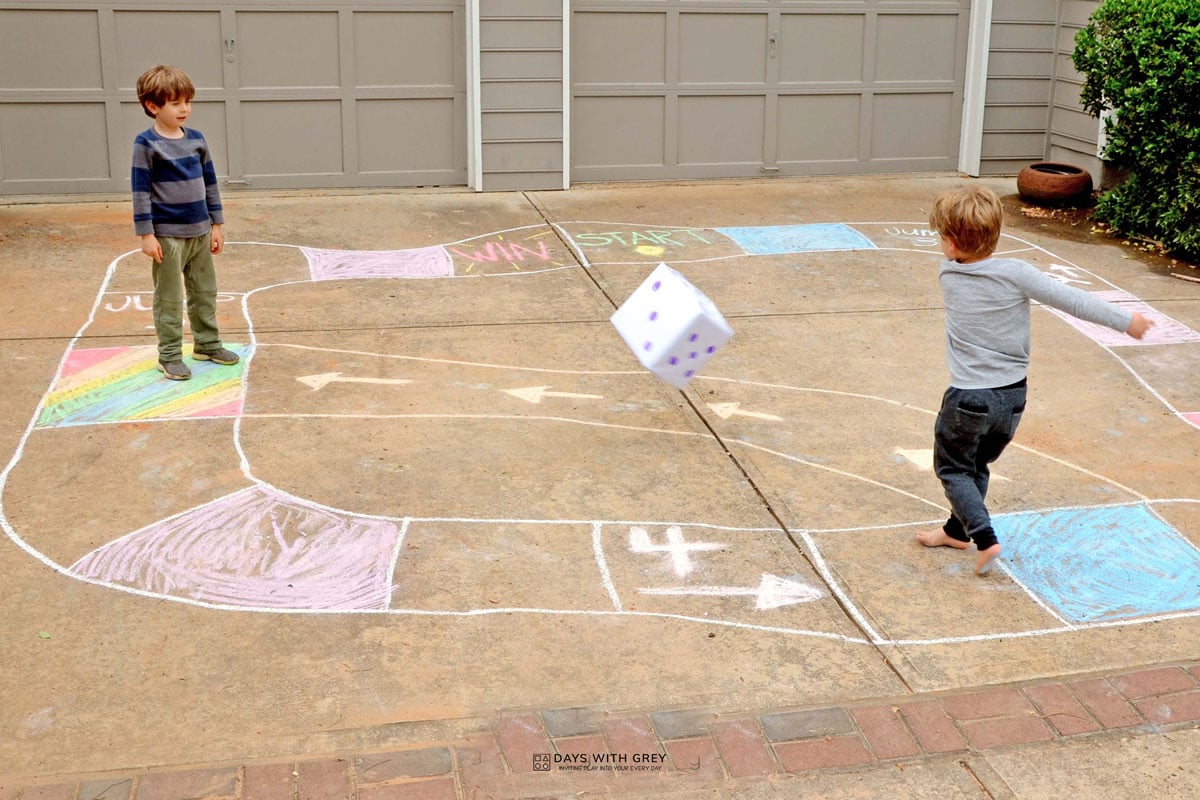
pixel 671 326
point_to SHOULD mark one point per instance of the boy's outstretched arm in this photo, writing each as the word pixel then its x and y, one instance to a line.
pixel 1139 325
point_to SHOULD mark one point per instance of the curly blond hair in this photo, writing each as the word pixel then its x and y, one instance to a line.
pixel 970 216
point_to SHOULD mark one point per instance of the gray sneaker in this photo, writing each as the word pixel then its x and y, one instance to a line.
pixel 174 370
pixel 218 356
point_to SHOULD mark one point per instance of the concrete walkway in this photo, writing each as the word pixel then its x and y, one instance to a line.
pixel 439 535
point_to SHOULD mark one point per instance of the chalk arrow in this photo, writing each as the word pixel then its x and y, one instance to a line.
pixel 326 378
pixel 921 459
pixel 772 592
pixel 727 410
pixel 534 394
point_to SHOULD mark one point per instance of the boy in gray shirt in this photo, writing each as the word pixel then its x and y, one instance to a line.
pixel 987 350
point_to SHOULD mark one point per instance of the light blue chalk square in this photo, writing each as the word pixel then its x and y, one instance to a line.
pixel 1097 564
pixel 769 240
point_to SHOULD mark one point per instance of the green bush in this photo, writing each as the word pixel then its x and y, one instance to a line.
pixel 1141 58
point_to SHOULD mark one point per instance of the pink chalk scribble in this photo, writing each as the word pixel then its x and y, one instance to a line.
pixel 256 549
pixel 418 262
pixel 1165 330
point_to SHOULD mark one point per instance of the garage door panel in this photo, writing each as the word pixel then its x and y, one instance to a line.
pixel 738 139
pixel 288 49
pixel 722 48
pixel 293 137
pixel 911 126
pixel 404 49
pixel 819 127
pixel 71 141
pixel 141 44
pixel 46 49
pixel 821 48
pixel 913 47
pixel 639 38
pixel 619 131
pixel 406 135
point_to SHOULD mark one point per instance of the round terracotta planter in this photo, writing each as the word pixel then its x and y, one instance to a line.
pixel 1052 182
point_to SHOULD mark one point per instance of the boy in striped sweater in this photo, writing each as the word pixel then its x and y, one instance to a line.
pixel 177 214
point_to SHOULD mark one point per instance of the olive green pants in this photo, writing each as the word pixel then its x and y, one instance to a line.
pixel 185 275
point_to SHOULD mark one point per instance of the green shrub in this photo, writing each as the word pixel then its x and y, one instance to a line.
pixel 1141 58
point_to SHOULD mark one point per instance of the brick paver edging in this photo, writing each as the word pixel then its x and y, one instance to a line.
pixel 562 748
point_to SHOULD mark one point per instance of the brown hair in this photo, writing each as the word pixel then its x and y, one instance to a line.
pixel 970 216
pixel 160 85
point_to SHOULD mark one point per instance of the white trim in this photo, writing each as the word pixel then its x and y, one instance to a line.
pixel 566 94
pixel 1102 133
pixel 979 39
pixel 474 109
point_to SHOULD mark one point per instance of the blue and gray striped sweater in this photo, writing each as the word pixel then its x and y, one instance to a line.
pixel 174 185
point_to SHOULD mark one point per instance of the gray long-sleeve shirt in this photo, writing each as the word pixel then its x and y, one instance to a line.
pixel 987 317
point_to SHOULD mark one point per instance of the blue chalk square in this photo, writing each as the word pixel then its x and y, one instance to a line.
pixel 1097 564
pixel 771 240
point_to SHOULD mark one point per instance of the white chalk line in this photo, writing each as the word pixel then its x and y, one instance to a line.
pixel 389 587
pixel 602 565
pixel 451 362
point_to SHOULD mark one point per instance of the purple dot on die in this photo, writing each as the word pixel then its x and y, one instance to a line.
pixel 711 350
pixel 653 316
pixel 693 337
pixel 648 346
pixel 689 373
pixel 692 354
pixel 657 285
pixel 673 361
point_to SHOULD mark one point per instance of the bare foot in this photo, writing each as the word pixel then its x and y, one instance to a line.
pixel 936 537
pixel 985 559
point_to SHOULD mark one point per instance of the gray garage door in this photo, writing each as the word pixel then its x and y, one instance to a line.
pixel 295 94
pixel 682 89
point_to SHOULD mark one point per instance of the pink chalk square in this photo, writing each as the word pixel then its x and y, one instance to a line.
pixel 1192 417
pixel 419 262
pixel 1164 331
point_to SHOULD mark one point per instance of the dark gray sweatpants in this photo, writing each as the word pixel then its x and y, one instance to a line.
pixel 972 430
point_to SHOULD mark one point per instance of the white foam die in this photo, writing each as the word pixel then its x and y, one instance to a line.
pixel 671 326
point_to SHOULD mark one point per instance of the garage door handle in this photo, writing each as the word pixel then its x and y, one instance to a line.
pixel 773 44
pixel 229 49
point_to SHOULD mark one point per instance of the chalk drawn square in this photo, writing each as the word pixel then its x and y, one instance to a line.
pixel 772 240
pixel 1098 564
pixel 418 262
pixel 258 549
pixel 120 384
pixel 1165 330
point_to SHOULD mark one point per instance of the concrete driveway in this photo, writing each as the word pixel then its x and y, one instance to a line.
pixel 440 488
